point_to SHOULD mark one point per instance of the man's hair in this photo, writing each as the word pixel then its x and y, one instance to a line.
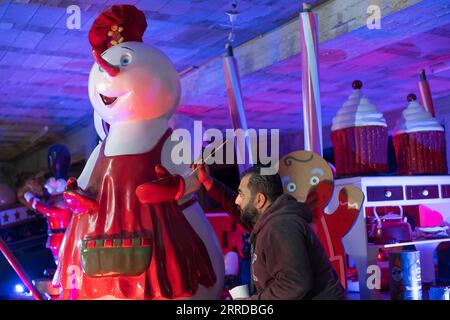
pixel 269 185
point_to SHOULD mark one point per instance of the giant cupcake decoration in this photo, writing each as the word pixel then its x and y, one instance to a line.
pixel 419 141
pixel 360 136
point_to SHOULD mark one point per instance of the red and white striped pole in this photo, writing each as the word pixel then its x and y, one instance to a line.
pixel 312 113
pixel 425 93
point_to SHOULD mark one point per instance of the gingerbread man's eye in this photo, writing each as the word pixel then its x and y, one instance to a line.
pixel 291 187
pixel 314 180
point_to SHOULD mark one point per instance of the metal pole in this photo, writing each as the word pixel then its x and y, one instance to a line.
pixel 19 270
pixel 236 105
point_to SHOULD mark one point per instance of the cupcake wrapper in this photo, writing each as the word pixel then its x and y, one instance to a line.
pixel 360 150
pixel 420 153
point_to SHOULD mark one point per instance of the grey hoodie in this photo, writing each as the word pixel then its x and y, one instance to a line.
pixel 289 261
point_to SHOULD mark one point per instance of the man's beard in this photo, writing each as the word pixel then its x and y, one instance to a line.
pixel 249 214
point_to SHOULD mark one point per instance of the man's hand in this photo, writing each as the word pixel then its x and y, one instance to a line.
pixel 203 175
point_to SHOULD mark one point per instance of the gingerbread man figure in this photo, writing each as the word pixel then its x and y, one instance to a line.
pixel 309 178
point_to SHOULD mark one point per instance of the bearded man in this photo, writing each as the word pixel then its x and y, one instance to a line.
pixel 288 259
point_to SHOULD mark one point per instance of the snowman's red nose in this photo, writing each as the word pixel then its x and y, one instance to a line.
pixel 105 65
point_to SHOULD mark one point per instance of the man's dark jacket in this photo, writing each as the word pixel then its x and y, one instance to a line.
pixel 288 260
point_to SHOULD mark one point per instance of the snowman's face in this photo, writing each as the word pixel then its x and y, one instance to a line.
pixel 146 87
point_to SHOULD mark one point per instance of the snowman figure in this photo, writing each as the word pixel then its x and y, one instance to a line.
pixel 137 232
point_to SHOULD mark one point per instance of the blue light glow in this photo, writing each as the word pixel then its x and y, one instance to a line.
pixel 19 288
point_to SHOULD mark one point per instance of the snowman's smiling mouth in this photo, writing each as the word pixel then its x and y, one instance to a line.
pixel 107 100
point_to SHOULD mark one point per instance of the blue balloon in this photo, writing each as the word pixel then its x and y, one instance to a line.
pixel 58 157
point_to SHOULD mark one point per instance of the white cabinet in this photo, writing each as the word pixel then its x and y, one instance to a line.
pixel 381 191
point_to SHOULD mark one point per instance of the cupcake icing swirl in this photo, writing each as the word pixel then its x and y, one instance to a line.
pixel 357 111
pixel 415 119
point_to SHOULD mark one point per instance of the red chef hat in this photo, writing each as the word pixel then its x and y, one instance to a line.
pixel 120 23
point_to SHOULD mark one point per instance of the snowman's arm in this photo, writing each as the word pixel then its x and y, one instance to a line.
pixel 83 179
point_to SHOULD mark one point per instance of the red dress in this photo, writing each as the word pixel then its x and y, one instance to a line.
pixel 179 261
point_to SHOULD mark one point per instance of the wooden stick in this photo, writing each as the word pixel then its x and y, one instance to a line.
pixel 203 160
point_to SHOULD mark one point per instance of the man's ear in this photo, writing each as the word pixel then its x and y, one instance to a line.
pixel 260 200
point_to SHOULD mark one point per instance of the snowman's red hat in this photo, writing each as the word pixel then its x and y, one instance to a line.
pixel 118 24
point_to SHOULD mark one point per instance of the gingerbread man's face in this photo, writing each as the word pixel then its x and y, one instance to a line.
pixel 305 174
pixel 147 85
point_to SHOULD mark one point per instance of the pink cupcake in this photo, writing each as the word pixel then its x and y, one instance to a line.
pixel 419 142
pixel 360 136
